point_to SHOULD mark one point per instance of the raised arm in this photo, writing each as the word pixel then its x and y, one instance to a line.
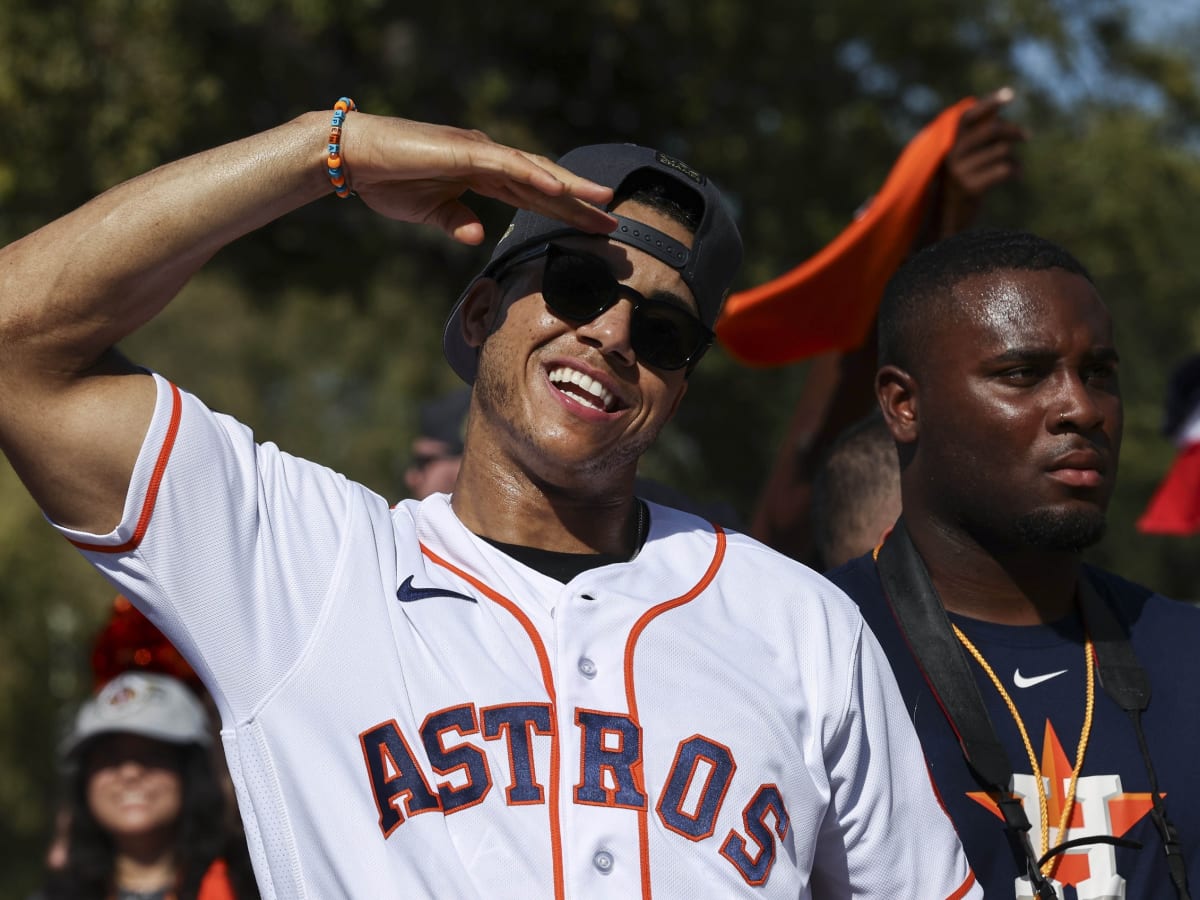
pixel 74 411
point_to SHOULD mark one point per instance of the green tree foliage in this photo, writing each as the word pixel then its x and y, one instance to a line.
pixel 320 330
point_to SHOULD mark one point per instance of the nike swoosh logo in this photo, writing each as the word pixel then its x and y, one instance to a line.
pixel 407 593
pixel 1022 682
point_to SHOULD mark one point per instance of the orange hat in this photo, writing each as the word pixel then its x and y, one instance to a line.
pixel 130 641
pixel 829 301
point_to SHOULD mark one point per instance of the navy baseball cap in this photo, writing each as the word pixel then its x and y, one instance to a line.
pixel 708 267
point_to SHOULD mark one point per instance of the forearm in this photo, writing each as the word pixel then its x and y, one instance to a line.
pixel 72 424
pixel 72 289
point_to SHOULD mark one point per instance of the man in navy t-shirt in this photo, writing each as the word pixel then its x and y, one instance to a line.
pixel 998 381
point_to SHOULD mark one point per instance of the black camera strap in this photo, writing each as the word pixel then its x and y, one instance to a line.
pixel 1126 682
pixel 940 657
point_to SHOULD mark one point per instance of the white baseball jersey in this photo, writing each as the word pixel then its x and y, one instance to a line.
pixel 408 711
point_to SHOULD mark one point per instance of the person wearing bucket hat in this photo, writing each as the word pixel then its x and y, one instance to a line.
pixel 148 704
pixel 144 808
pixel 540 685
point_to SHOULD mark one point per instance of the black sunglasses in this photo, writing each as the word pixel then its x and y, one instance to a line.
pixel 422 461
pixel 579 286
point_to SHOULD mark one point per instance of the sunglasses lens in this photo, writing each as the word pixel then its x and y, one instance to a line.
pixel 664 335
pixel 580 287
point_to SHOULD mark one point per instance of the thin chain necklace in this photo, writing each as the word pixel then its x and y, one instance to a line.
pixel 1049 866
pixel 639 533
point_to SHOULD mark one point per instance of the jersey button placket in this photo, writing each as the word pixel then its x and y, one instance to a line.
pixel 604 862
pixel 600 842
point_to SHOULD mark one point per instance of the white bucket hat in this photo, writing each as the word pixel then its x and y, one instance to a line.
pixel 144 703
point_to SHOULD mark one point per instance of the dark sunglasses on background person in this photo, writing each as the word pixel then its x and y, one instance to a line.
pixel 422 461
pixel 578 286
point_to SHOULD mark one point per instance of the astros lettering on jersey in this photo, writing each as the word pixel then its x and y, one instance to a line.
pixel 408 710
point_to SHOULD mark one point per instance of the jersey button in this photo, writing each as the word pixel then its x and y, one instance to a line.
pixel 587 668
pixel 603 861
pixel 588 597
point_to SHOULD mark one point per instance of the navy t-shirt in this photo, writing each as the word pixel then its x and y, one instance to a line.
pixel 1043 670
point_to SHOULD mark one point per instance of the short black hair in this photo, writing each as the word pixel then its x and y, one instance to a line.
pixel 919 292
pixel 667 196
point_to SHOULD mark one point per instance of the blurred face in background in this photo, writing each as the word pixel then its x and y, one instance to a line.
pixel 134 785
pixel 432 469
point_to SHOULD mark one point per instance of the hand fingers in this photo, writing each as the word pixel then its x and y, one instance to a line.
pixel 458 221
pixel 568 181
pixel 494 164
pixel 980 157
pixel 987 106
pixel 568 208
pixel 532 182
pixel 987 133
pixel 981 178
pixel 414 171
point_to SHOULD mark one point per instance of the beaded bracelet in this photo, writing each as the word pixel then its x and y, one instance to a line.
pixel 336 173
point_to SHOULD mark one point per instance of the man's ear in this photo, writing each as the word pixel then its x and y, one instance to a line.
pixel 896 391
pixel 480 309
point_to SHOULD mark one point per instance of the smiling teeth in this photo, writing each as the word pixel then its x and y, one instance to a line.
pixel 586 384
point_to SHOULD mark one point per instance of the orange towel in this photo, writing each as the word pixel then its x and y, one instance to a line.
pixel 829 301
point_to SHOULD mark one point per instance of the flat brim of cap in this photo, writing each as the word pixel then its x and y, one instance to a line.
pixel 73 746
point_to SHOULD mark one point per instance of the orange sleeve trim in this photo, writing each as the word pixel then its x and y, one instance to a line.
pixel 937 794
pixel 965 887
pixel 631 694
pixel 560 890
pixel 828 302
pixel 160 466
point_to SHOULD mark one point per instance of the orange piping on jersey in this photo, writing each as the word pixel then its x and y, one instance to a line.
pixel 937 793
pixel 560 890
pixel 964 887
pixel 160 466
pixel 631 696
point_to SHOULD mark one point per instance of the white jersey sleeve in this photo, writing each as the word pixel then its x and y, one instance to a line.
pixel 227 545
pixel 880 831
pixel 885 826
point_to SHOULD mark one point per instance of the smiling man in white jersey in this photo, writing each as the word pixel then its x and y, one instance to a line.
pixel 541 686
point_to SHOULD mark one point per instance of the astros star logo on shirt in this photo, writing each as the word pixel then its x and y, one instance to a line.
pixel 1102 807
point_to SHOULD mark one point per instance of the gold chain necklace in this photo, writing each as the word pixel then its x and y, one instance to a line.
pixel 1043 801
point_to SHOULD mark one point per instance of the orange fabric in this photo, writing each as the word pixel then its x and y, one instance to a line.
pixel 215 885
pixel 965 887
pixel 829 301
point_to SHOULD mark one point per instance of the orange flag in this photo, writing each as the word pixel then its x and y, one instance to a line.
pixel 829 301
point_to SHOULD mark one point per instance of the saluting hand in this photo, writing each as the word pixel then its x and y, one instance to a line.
pixel 417 172
pixel 984 155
